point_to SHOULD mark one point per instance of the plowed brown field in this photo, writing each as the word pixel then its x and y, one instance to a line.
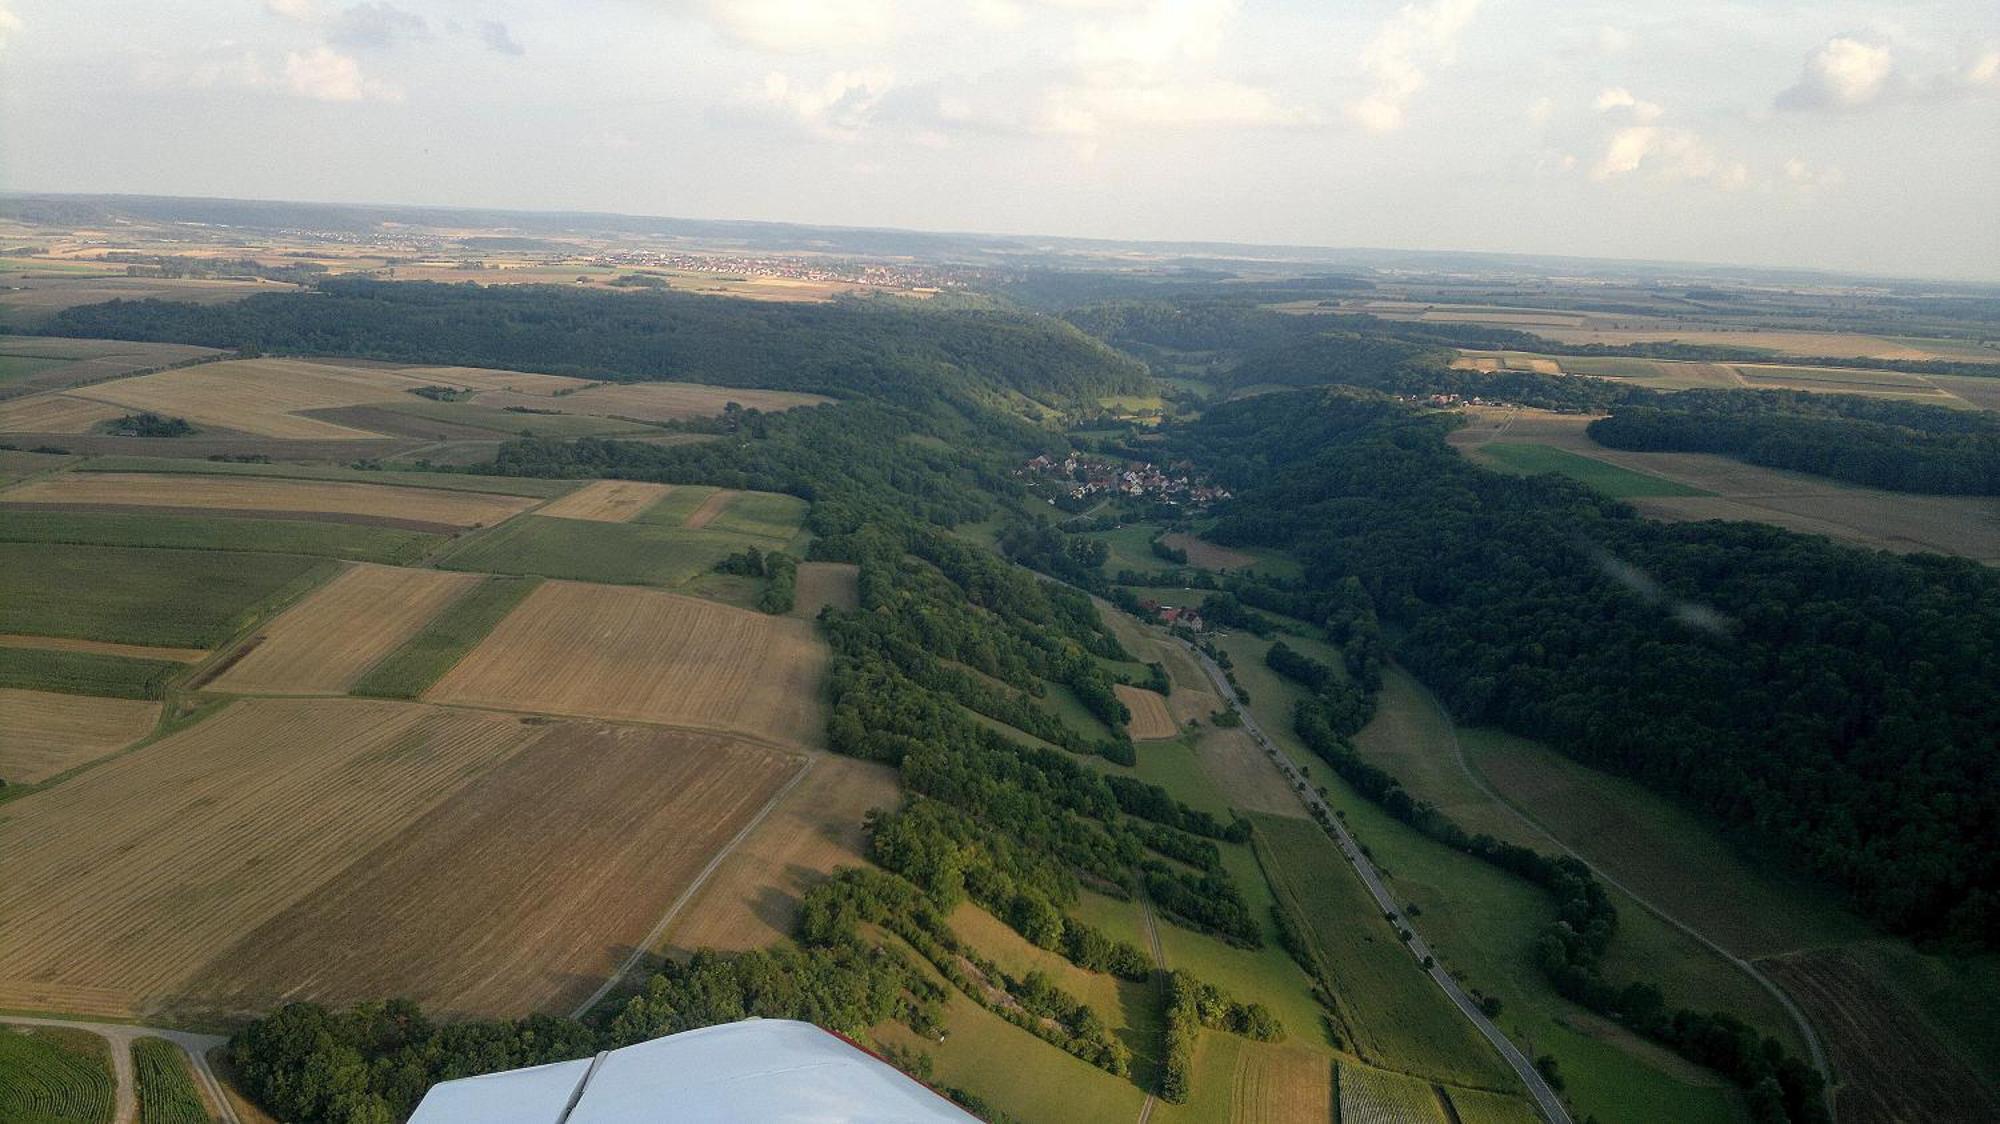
pixel 326 642
pixel 607 501
pixel 124 882
pixel 1150 717
pixel 520 894
pixel 43 733
pixel 642 655
pixel 269 494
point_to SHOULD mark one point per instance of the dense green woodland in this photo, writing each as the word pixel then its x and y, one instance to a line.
pixel 1833 706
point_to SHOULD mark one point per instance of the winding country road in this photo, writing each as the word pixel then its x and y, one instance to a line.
pixel 121 1037
pixel 1546 1100
pixel 1798 1017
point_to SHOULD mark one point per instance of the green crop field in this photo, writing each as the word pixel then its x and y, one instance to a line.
pixel 410 670
pixel 614 553
pixel 1610 479
pixel 673 508
pixel 85 673
pixel 765 515
pixel 175 598
pixel 55 1076
pixel 16 367
pixel 167 1093
pixel 442 481
pixel 1395 1016
pixel 15 463
pixel 268 536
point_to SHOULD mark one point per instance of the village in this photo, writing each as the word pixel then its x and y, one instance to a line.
pixel 1077 478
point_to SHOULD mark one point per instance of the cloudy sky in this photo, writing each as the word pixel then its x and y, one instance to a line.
pixel 1851 135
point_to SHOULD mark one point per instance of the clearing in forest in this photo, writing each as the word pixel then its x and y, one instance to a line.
pixel 325 643
pixel 820 584
pixel 648 656
pixel 125 881
pixel 607 501
pixel 520 893
pixel 386 504
pixel 1150 717
pixel 45 733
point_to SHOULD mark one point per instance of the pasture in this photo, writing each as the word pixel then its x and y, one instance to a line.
pixel 1150 717
pixel 55 1075
pixel 352 541
pixel 1609 479
pixel 606 501
pixel 646 656
pixel 46 733
pixel 426 655
pixel 420 509
pixel 521 891
pixel 1207 555
pixel 326 642
pixel 170 598
pixel 753 899
pixel 200 837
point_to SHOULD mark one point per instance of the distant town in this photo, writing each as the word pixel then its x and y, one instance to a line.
pixel 1082 478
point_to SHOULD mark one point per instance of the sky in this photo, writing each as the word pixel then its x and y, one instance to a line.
pixel 1860 136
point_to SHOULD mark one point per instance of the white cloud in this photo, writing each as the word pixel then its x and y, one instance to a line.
pixel 1613 40
pixel 9 24
pixel 1157 34
pixel 1420 35
pixel 325 74
pixel 1615 98
pixel 792 26
pixel 1982 71
pixel 837 107
pixel 1672 154
pixel 1088 110
pixel 1844 73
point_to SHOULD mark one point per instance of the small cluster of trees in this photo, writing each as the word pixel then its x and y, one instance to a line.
pixel 779 570
pixel 1192 1006
pixel 149 424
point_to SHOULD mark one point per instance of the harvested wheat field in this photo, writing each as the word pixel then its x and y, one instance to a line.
pixel 607 501
pixel 123 883
pixel 55 413
pixel 821 584
pixel 483 378
pixel 522 893
pixel 329 640
pixel 43 733
pixel 1207 555
pixel 1150 718
pixel 102 648
pixel 604 651
pixel 263 397
pixel 1237 767
pixel 1282 1085
pixel 710 508
pixel 387 504
pixel 815 830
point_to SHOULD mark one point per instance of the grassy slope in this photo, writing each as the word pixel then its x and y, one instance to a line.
pixel 271 536
pixel 178 598
pixel 1610 479
pixel 423 659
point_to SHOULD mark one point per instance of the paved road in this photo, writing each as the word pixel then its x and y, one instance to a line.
pixel 1545 1097
pixel 121 1036
pixel 1798 1017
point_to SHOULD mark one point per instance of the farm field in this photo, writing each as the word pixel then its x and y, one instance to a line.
pixel 1280 1085
pixel 1610 479
pixel 522 891
pixel 168 598
pixel 46 733
pixel 323 644
pixel 711 506
pixel 15 463
pixel 104 648
pixel 762 515
pixel 1967 526
pixel 56 1075
pixel 1150 718
pixel 1374 1096
pixel 647 656
pixel 1677 374
pixel 34 363
pixel 1206 554
pixel 419 509
pixel 427 654
pixel 429 481
pixel 753 899
pixel 606 501
pixel 56 413
pixel 28 301
pixel 353 541
pixel 823 584
pixel 199 837
pixel 1235 765
pixel 166 1089
pixel 85 673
